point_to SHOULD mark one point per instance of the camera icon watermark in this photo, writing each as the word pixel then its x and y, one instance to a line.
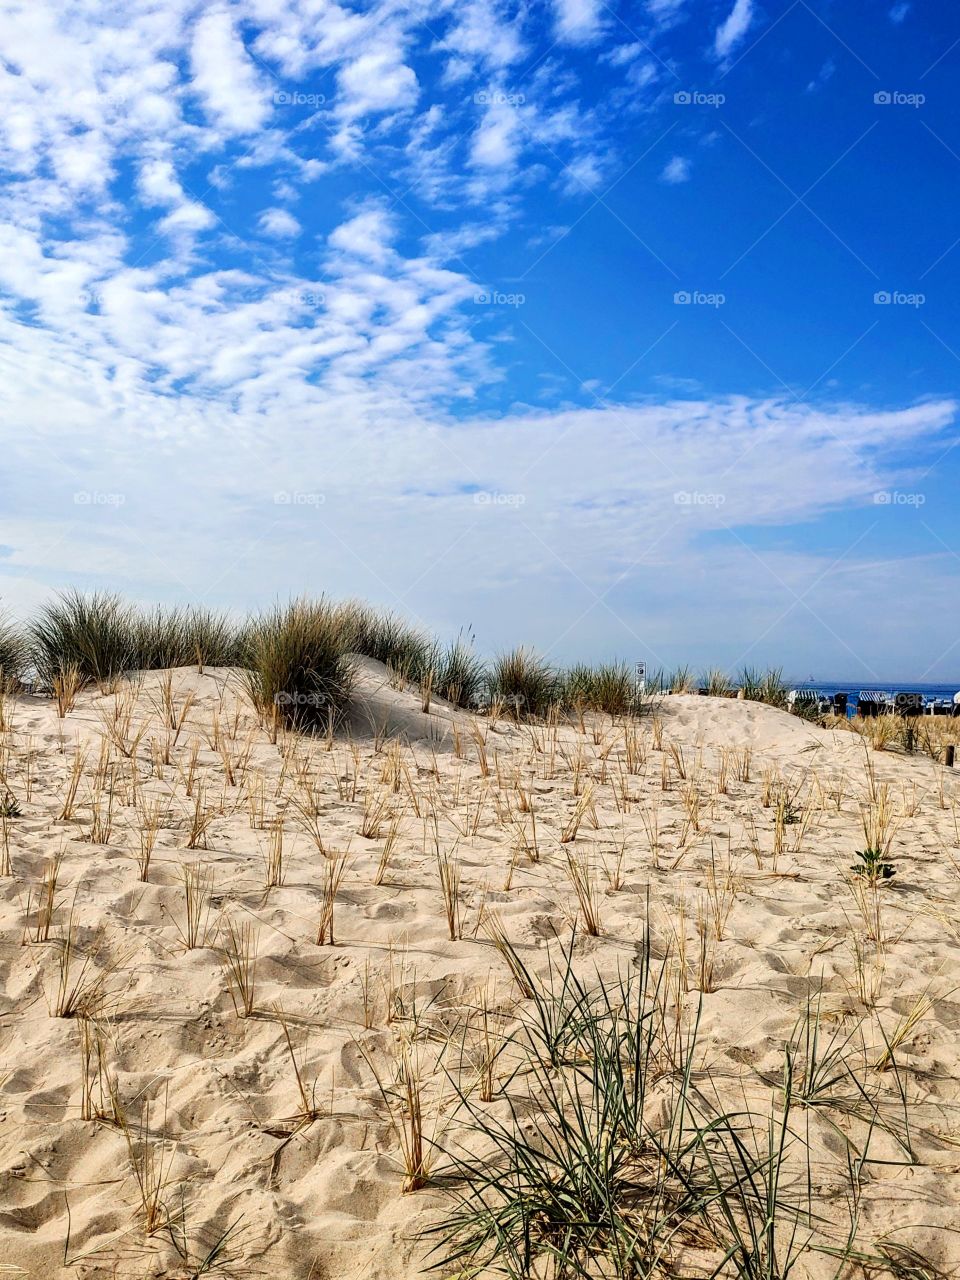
pixel 498 98
pixel 694 98
pixel 695 498
pixel 494 298
pixel 312 298
pixel 697 298
pixel 288 700
pixel 896 298
pixel 298 498
pixel 493 498
pixel 95 498
pixel 894 98
pixel 294 98
pixel 894 498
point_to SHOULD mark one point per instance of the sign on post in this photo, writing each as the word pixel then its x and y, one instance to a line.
pixel 641 669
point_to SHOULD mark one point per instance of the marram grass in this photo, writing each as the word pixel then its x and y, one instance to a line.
pixel 298 659
pixel 13 655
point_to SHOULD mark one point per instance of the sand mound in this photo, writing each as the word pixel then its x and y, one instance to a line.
pixel 381 709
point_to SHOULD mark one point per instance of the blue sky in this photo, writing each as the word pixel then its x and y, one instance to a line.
pixel 618 329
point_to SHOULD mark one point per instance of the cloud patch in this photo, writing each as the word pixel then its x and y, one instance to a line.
pixel 676 171
pixel 733 28
pixel 280 224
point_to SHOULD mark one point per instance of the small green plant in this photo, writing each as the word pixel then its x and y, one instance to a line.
pixel 879 827
pixel 873 866
pixel 786 802
pixel 910 734
pixel 10 807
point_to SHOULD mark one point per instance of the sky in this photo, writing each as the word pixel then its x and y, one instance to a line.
pixel 615 329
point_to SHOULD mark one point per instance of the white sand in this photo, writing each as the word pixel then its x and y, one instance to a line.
pixel 327 1201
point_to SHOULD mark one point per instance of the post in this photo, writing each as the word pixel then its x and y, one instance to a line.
pixel 948 755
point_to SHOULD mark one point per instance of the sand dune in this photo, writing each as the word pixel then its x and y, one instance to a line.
pixel 290 1184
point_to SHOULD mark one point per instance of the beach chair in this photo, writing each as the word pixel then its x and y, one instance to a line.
pixel 908 704
pixel 873 702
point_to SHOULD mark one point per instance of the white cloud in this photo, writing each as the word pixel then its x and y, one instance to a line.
pixel 279 223
pixel 485 34
pixel 158 183
pixel 496 142
pixel 367 235
pixel 676 170
pixel 622 55
pixel 734 27
pixel 584 175
pixel 188 217
pixel 376 82
pixel 578 21
pixel 823 76
pixel 899 12
pixel 619 501
pixel 225 77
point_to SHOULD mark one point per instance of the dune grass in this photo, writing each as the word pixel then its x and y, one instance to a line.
pixel 609 687
pixel 764 686
pixel 101 637
pixel 181 637
pixel 609 1159
pixel 681 680
pixel 459 673
pixel 14 654
pixel 380 634
pixel 300 653
pixel 611 1155
pixel 454 672
pixel 95 635
pixel 525 683
pixel 297 664
pixel 716 682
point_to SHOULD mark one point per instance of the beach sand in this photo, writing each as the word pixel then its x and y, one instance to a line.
pixel 209 1100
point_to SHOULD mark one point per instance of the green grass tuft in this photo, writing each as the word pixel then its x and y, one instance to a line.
pixel 716 682
pixel 609 687
pixel 182 637
pixel 681 680
pixel 459 673
pixel 96 634
pixel 525 682
pixel 764 686
pixel 298 668
pixel 382 635
pixel 14 655
pixel 606 1158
